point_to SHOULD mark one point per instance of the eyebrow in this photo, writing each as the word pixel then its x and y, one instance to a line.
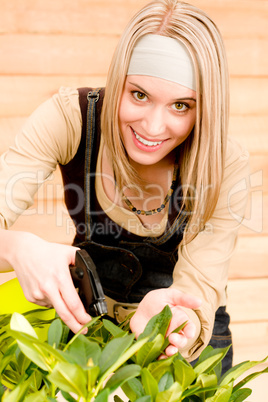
pixel 147 93
pixel 142 89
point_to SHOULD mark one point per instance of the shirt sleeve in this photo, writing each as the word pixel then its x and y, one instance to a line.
pixel 202 267
pixel 50 136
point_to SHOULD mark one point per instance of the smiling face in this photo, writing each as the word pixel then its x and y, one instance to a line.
pixel 155 116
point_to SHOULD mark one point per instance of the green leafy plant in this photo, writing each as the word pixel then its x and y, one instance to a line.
pixel 93 366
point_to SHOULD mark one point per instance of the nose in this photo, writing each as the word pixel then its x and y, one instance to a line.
pixel 154 122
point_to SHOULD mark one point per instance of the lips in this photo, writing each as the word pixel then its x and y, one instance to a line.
pixel 143 143
pixel 146 142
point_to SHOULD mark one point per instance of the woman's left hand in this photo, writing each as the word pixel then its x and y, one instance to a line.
pixel 154 302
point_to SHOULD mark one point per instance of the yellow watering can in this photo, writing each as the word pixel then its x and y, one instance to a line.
pixel 13 300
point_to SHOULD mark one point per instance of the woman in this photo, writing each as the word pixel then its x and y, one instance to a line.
pixel 153 158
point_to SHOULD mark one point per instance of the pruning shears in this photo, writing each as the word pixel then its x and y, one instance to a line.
pixel 87 281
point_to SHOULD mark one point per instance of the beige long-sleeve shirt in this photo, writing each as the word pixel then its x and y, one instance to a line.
pixel 52 135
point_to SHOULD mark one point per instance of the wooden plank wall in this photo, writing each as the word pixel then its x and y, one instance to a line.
pixel 48 44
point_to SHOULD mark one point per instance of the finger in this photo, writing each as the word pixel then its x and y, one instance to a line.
pixel 72 254
pixel 46 304
pixel 177 340
pixel 137 324
pixel 42 303
pixel 189 330
pixel 74 303
pixel 171 350
pixel 37 297
pixel 179 317
pixel 65 314
pixel 185 300
pixel 162 357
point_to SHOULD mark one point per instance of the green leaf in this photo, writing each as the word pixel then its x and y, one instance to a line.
pixel 160 367
pixel 117 399
pixel 55 333
pixel 5 341
pixel 122 375
pixel 218 370
pixel 150 351
pixel 249 378
pixel 176 330
pixel 158 324
pixel 27 346
pixel 94 330
pixel 19 392
pixel 165 382
pixel 184 374
pixel 70 378
pixel 65 335
pixel 4 319
pixel 207 380
pixel 82 349
pixel 13 376
pixel 44 346
pixel 223 394
pixel 240 395
pixel 113 350
pixel 238 370
pixel 122 359
pixel 2 390
pixel 37 377
pixel 92 375
pixel 192 399
pixel 208 384
pixel 171 395
pixel 149 383
pixel 192 392
pixel 8 381
pixel 205 353
pixel 8 356
pixel 40 396
pixel 68 397
pixel 90 324
pixel 146 398
pixel 115 330
pixel 42 354
pixel 103 396
pixel 212 359
pixel 19 323
pixel 23 362
pixel 133 389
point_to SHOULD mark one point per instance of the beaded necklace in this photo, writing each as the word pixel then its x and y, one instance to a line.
pixel 164 203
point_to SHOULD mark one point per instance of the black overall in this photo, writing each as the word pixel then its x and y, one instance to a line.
pixel 129 266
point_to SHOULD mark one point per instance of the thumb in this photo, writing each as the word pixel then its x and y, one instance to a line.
pixel 137 324
pixel 72 254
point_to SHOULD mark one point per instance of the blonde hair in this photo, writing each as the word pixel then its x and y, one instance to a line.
pixel 202 155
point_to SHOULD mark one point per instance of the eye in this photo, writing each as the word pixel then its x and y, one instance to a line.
pixel 181 107
pixel 139 95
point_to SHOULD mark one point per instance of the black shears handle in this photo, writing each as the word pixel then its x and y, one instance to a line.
pixel 87 281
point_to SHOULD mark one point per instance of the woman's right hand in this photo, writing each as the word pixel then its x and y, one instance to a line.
pixel 42 269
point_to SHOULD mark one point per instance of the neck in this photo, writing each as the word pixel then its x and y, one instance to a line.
pixel 160 184
pixel 152 173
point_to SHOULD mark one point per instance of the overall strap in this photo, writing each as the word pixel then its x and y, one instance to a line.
pixel 174 231
pixel 92 97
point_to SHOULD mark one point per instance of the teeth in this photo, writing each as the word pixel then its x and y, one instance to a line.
pixel 145 142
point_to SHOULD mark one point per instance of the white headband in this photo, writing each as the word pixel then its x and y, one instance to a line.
pixel 163 57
